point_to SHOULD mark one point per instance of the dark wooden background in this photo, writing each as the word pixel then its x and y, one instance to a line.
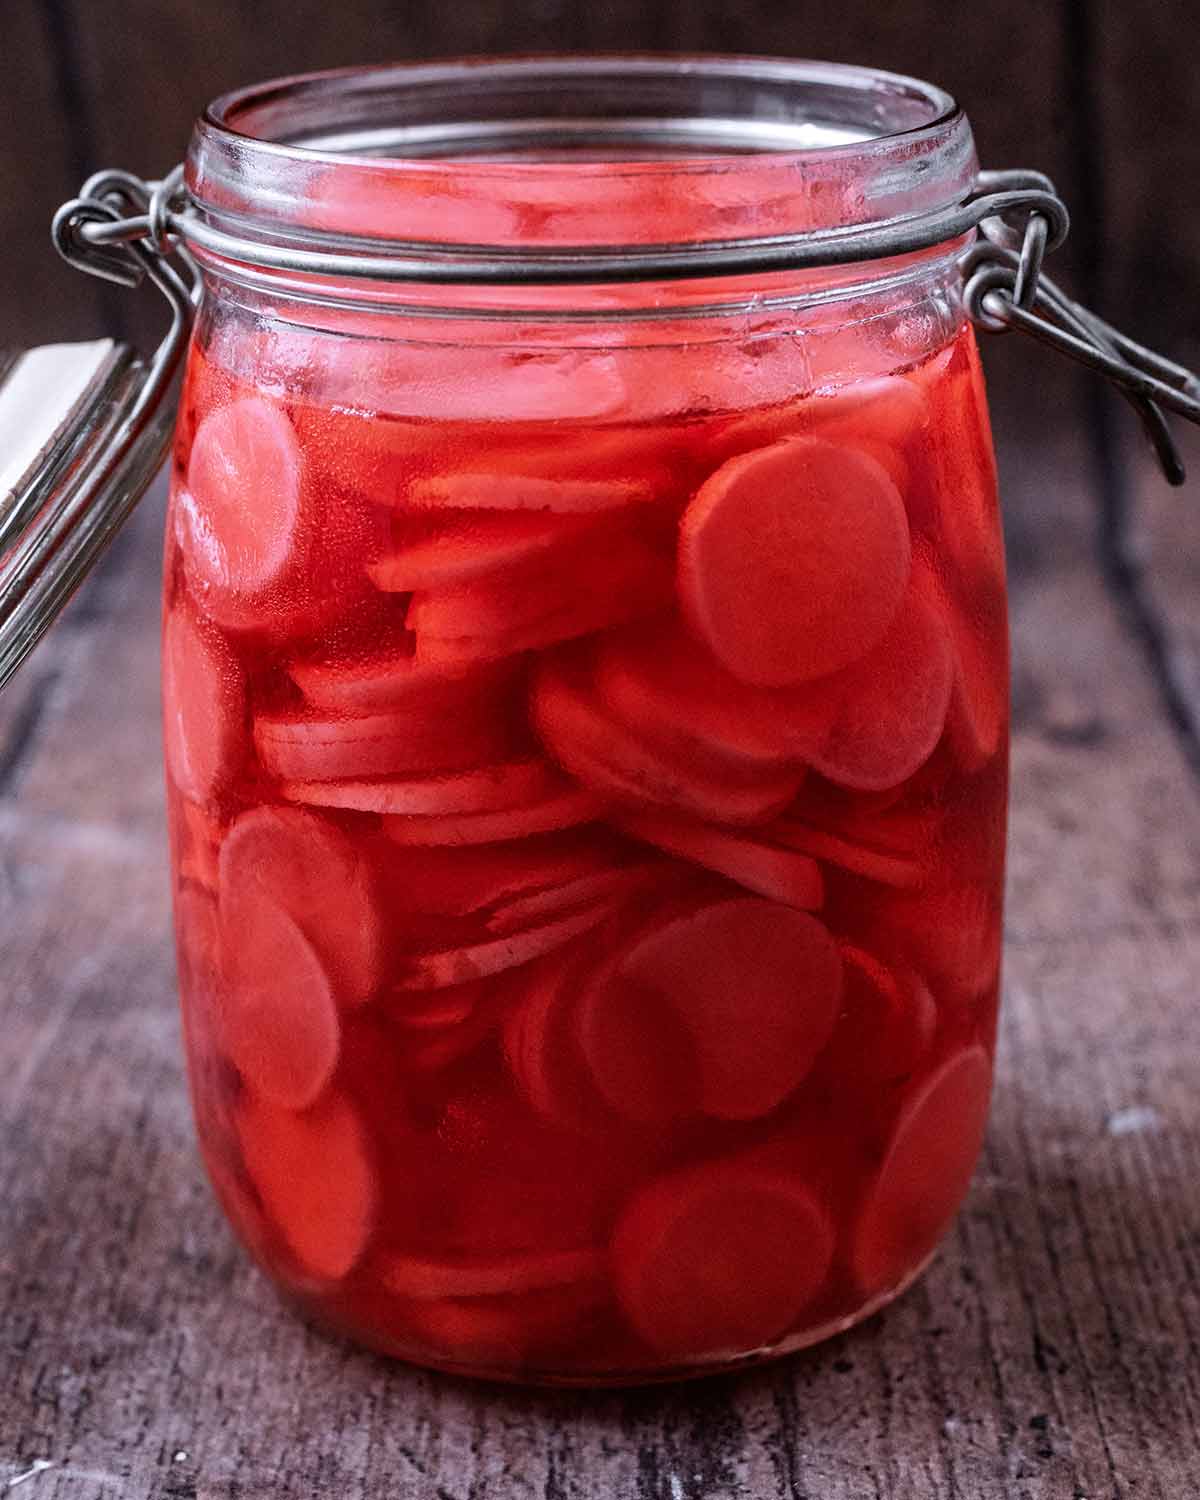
pixel 1053 1352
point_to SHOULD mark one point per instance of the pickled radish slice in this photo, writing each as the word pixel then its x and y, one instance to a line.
pixel 296 747
pixel 204 708
pixel 317 875
pixel 540 1046
pixel 536 906
pixel 614 762
pixel 758 986
pixel 950 929
pixel 314 1177
pixel 964 521
pixel 779 874
pixel 436 1010
pixel 467 547
pixel 720 1258
pixel 240 512
pixel 526 492
pixel 879 416
pixel 488 789
pixel 198 936
pixel 887 1022
pixel 459 882
pixel 889 409
pixel 394 680
pixel 541 601
pixel 200 843
pixel 893 703
pixel 431 971
pixel 897 868
pixel 479 1276
pixel 501 1335
pixel 278 1017
pixel 563 810
pixel 662 682
pixel 637 1051
pixel 926 1171
pixel 978 713
pixel 793 560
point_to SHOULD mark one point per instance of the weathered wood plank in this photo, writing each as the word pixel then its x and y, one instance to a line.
pixel 1164 542
pixel 1146 118
pixel 1051 1351
pixel 41 299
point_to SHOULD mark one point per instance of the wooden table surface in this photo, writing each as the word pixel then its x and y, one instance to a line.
pixel 1053 1350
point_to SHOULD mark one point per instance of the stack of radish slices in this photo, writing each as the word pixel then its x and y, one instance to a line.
pixel 588 846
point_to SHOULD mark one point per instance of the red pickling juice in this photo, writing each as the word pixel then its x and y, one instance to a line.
pixel 587 763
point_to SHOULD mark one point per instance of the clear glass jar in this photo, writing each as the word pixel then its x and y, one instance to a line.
pixel 586 717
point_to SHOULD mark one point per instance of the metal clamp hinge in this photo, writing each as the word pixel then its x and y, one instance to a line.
pixel 1006 289
pixel 112 428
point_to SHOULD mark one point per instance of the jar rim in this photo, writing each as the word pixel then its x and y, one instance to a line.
pixel 557 150
pixel 579 169
pixel 267 118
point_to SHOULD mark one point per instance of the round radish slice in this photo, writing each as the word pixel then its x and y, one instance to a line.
pixel 664 684
pixel 720 1259
pixel 536 906
pixel 431 971
pixel 278 1017
pixel 890 409
pixel 240 513
pixel 605 581
pixel 204 708
pixel 459 882
pixel 200 842
pixel 779 874
pixel 637 1051
pixel 612 760
pixel 394 680
pixel 950 929
pixel 469 546
pixel 890 867
pixel 436 1010
pixel 965 527
pixel 758 987
pixel 883 413
pixel 887 1022
pixel 978 716
pixel 314 1177
pixel 477 1335
pixel 318 877
pixel 525 492
pixel 475 1276
pixel 198 940
pixel 296 747
pixel 540 1045
pixel 793 560
pixel 925 1172
pixel 893 703
pixel 563 810
pixel 489 789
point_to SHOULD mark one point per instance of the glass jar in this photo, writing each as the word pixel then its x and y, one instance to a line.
pixel 585 698
pixel 586 717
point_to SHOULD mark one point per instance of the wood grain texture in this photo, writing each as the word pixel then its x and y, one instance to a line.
pixel 41 151
pixel 1147 114
pixel 1051 1353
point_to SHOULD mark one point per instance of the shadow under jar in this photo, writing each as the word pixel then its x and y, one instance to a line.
pixel 586 717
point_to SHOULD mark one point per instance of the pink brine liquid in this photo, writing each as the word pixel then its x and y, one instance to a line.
pixel 588 837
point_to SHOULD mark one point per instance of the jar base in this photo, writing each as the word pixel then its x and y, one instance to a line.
pixel 617 1379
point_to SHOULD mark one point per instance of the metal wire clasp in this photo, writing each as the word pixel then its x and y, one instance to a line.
pixel 110 437
pixel 1006 289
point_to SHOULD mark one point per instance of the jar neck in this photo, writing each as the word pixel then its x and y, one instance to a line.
pixel 528 156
